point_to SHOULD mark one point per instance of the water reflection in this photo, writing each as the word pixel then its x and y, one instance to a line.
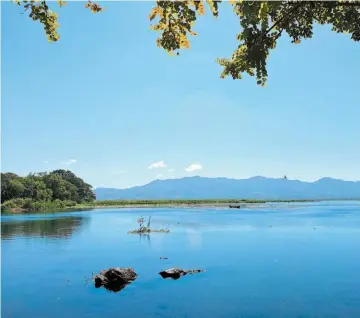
pixel 145 237
pixel 114 287
pixel 54 227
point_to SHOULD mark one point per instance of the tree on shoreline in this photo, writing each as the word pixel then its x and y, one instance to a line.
pixel 60 185
pixel 262 24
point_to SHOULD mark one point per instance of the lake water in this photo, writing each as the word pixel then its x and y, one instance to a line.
pixel 299 261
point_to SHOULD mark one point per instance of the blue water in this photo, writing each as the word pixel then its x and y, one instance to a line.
pixel 280 261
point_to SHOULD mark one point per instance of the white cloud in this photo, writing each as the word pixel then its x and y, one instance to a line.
pixel 159 176
pixel 68 162
pixel 159 164
pixel 171 170
pixel 194 167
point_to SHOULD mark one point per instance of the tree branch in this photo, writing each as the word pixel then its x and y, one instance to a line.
pixel 284 17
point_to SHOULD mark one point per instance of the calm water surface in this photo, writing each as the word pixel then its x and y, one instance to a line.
pixel 300 261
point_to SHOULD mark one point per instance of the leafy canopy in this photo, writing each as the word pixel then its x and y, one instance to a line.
pixel 262 24
pixel 57 185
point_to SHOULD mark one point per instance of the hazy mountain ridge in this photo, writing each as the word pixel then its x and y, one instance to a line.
pixel 224 188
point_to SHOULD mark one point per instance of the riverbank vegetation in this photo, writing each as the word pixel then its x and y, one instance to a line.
pixel 29 205
pixel 59 189
pixel 186 202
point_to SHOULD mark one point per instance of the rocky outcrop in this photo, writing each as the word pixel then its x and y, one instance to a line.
pixel 176 273
pixel 115 279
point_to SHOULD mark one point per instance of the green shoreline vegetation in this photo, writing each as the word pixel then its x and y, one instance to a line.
pixel 186 202
pixel 17 205
pixel 41 192
pixel 28 205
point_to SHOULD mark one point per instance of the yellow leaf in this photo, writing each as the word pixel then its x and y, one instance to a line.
pixel 185 43
pixel 153 13
pixel 61 3
pixel 200 9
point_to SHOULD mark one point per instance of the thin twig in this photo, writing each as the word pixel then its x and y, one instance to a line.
pixel 284 17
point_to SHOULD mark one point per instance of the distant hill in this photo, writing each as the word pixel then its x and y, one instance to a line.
pixel 224 188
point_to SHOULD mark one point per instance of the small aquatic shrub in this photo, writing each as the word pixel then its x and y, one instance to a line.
pixel 146 229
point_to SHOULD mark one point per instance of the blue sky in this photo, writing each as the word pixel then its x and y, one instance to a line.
pixel 106 103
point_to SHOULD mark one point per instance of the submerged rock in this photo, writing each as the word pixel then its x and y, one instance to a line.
pixel 176 273
pixel 115 279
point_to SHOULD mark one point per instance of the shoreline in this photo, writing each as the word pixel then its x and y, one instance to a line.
pixel 192 205
pixel 150 206
pixel 139 206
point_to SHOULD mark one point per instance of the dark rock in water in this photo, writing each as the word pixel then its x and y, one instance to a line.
pixel 115 279
pixel 176 273
pixel 163 257
pixel 173 273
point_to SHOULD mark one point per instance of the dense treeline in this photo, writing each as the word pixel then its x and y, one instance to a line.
pixel 59 188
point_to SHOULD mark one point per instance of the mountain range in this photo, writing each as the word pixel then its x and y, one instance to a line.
pixel 225 188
